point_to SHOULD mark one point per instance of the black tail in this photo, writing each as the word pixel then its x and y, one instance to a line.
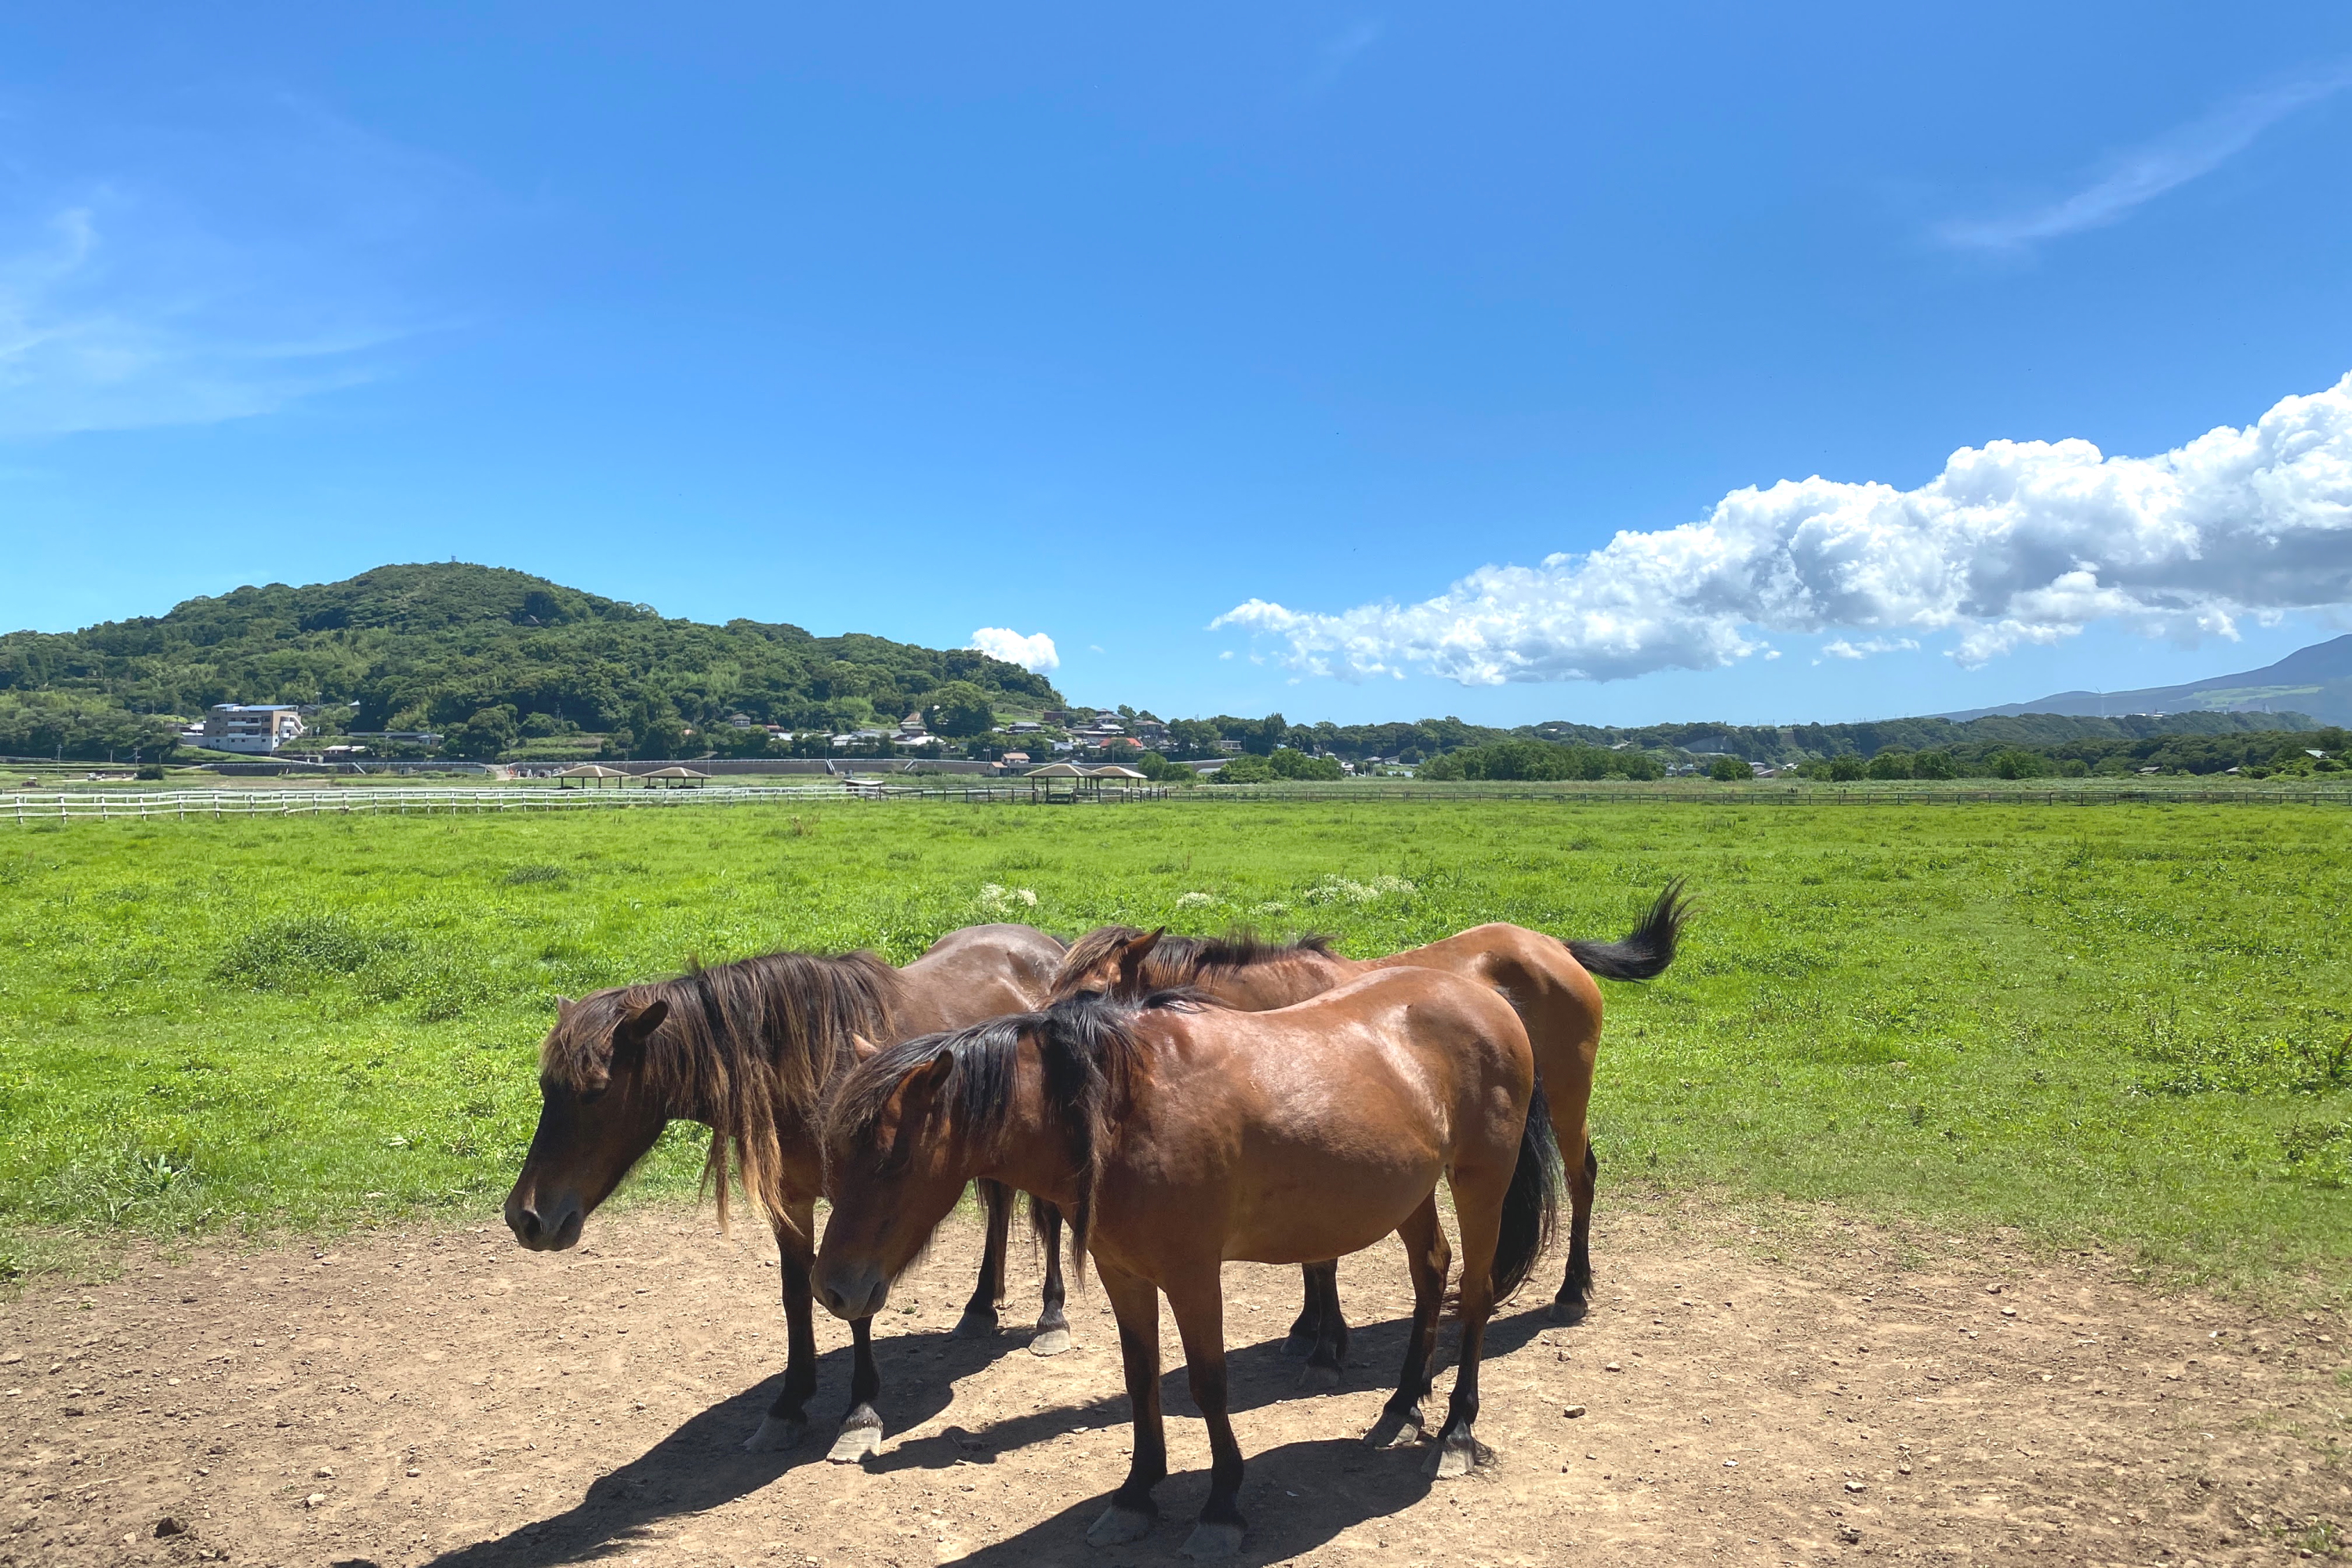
pixel 1531 1208
pixel 1045 1222
pixel 1643 953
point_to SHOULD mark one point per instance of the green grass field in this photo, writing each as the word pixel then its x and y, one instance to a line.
pixel 2131 1024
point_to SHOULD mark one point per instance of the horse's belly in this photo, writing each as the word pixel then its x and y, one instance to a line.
pixel 1307 1221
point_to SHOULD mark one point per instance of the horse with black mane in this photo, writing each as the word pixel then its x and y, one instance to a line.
pixel 1548 980
pixel 1176 1133
pixel 749 1050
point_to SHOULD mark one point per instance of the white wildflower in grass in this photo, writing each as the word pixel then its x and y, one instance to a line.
pixel 1272 909
pixel 1342 890
pixel 998 899
pixel 1196 900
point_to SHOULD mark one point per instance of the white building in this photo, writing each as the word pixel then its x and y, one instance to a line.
pixel 256 727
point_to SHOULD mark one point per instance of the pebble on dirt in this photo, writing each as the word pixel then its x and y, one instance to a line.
pixel 170 1525
pixel 1573 1411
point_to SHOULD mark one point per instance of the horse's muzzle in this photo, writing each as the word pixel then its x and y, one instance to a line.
pixel 553 1232
pixel 851 1294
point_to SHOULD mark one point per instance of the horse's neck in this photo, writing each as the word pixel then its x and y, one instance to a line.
pixel 1031 1153
pixel 1280 983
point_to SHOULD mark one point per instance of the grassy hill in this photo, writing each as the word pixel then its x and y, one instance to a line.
pixel 478 652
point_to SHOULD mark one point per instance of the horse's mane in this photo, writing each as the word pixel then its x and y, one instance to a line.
pixel 1087 1046
pixel 747 1046
pixel 1176 961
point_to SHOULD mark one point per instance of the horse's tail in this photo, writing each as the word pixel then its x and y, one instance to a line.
pixel 1643 953
pixel 1531 1206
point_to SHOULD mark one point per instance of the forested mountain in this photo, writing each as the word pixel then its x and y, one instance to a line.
pixel 447 645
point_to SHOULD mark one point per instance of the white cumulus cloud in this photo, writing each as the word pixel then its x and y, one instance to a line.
pixel 1035 652
pixel 2015 541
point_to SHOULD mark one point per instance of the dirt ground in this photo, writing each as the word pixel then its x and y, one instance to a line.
pixel 444 1397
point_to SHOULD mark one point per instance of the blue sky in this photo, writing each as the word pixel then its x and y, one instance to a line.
pixel 1104 325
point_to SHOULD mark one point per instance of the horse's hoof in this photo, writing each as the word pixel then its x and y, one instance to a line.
pixel 1049 1341
pixel 860 1435
pixel 776 1433
pixel 1395 1429
pixel 976 1323
pixel 1213 1539
pixel 1300 1344
pixel 1315 1376
pixel 1570 1310
pixel 1120 1524
pixel 1457 1456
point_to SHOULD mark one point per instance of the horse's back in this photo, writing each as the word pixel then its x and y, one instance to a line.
pixel 981 972
pixel 1314 1129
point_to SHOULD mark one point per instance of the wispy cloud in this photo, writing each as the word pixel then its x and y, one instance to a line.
pixel 1340 52
pixel 209 270
pixel 2146 172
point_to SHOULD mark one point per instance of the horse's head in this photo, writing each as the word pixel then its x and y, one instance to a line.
pixel 895 1167
pixel 1110 960
pixel 597 1116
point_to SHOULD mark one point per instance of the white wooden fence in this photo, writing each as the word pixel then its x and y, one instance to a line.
pixel 115 806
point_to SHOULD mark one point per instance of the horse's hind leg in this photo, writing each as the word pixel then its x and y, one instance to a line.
pixel 1328 1352
pixel 979 1320
pixel 1576 1287
pixel 1199 1303
pixel 1053 1335
pixel 1427 1254
pixel 861 1429
pixel 1135 1303
pixel 786 1422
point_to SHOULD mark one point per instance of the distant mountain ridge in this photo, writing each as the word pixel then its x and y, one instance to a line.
pixel 2316 681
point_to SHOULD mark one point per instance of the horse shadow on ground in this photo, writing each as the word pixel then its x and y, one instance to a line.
pixel 1297 1496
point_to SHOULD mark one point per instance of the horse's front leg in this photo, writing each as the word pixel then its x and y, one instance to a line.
pixel 1199 1302
pixel 861 1429
pixel 1132 1510
pixel 1053 1335
pixel 979 1320
pixel 786 1422
pixel 1307 1326
pixel 1329 1352
pixel 1427 1254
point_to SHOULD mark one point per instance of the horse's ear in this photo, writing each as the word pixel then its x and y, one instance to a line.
pixel 862 1045
pixel 943 1064
pixel 563 1005
pixel 630 1037
pixel 1133 951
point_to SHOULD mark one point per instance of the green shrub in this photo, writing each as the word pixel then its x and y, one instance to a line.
pixel 1730 770
pixel 1847 769
pixel 1289 763
pixel 1891 764
pixel 1246 768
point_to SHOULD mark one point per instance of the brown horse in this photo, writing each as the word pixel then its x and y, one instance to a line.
pixel 749 1050
pixel 1177 1134
pixel 1548 980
